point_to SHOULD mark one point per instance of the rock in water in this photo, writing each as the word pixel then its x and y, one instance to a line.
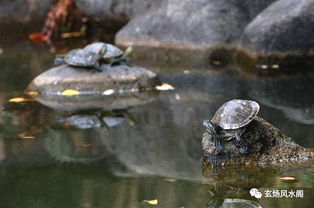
pixel 184 23
pixel 267 146
pixel 184 32
pixel 118 87
pixel 279 39
pixel 284 27
pixel 120 77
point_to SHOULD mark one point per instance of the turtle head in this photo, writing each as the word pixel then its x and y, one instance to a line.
pixel 59 59
pixel 127 52
pixel 212 128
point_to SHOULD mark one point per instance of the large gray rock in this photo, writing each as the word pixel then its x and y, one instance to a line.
pixel 23 11
pixel 186 23
pixel 186 33
pixel 286 27
pixel 115 9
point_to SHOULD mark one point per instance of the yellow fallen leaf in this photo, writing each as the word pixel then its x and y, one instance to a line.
pixel 151 202
pixel 275 66
pixel 32 93
pixel 108 92
pixel 170 180
pixel 164 86
pixel 216 63
pixel 70 92
pixel 72 34
pixel 25 136
pixel 19 100
pixel 287 178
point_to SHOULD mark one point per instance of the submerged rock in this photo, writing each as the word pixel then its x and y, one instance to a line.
pixel 267 146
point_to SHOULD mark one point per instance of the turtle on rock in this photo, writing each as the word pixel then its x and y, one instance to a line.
pixel 230 121
pixel 93 55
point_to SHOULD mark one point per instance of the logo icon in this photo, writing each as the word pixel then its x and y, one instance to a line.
pixel 254 192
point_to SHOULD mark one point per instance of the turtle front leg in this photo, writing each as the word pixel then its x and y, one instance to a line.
pixel 115 62
pixel 217 145
pixel 97 66
pixel 119 61
pixel 243 145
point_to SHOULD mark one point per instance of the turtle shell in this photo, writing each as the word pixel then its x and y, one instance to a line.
pixel 112 52
pixel 95 47
pixel 81 58
pixel 236 114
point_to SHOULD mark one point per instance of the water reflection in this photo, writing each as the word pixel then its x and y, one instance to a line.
pixel 292 96
pixel 73 146
pixel 236 182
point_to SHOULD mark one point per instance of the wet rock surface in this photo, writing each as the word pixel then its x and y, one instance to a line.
pixel 267 146
pixel 120 77
pixel 116 87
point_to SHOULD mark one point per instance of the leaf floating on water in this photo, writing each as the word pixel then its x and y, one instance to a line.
pixel 287 178
pixel 216 63
pixel 151 202
pixel 70 92
pixel 33 93
pixel 170 180
pixel 275 66
pixel 108 92
pixel 25 136
pixel 19 100
pixel 164 87
pixel 72 34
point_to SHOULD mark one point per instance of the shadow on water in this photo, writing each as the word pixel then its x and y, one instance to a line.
pixel 146 150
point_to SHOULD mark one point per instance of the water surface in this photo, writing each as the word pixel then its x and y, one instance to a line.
pixel 46 163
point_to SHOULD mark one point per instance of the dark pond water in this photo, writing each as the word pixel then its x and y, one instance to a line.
pixel 146 152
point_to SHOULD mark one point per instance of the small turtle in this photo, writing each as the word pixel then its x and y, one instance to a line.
pixel 110 54
pixel 113 55
pixel 82 58
pixel 230 121
pixel 93 55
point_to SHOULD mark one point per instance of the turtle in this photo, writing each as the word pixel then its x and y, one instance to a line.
pixel 110 54
pixel 114 56
pixel 82 58
pixel 92 55
pixel 230 121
